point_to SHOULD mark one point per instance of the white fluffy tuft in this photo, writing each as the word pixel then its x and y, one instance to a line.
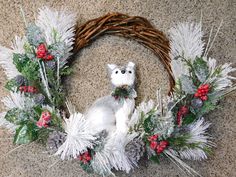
pixel 78 139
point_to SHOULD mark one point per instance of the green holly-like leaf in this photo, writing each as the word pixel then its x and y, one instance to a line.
pixel 187 84
pixel 20 60
pixel 31 71
pixel 16 116
pixel 87 167
pixel 200 69
pixel 26 66
pixel 148 124
pixel 26 133
pixel 155 158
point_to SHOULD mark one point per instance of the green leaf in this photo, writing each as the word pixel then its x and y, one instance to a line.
pixel 87 167
pixel 66 71
pixel 16 116
pixel 187 84
pixel 31 71
pixel 20 60
pixel 26 66
pixel 26 133
pixel 200 69
pixel 38 110
pixel 11 85
pixel 155 159
pixel 207 107
pixel 189 119
pixel 148 124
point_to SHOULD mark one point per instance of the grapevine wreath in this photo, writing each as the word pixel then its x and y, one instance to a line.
pixel 112 134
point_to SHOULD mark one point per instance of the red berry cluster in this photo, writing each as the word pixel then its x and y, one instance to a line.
pixel 28 89
pixel 202 92
pixel 85 157
pixel 183 111
pixel 158 146
pixel 43 53
pixel 44 119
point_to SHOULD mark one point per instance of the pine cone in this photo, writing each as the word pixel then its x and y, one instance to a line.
pixel 55 140
pixel 135 149
pixel 39 98
pixel 20 80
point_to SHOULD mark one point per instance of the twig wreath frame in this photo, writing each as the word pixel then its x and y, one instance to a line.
pixel 174 126
pixel 132 27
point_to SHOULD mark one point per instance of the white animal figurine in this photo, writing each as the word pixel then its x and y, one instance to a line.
pixel 111 113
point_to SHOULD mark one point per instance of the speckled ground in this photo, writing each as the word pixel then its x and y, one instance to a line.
pixel 90 82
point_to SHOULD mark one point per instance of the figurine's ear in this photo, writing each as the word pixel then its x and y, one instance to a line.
pixel 131 64
pixel 111 67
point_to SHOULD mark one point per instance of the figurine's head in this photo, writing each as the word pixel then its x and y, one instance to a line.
pixel 122 76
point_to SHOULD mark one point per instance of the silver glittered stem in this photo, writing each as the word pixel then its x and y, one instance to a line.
pixel 44 79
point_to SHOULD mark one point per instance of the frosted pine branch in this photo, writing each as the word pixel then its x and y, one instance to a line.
pixel 58 26
pixel 185 41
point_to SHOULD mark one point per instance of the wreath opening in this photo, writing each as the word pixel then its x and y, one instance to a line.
pixel 132 27
pixel 113 134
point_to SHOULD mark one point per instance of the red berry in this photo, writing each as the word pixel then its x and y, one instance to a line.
pixel 46 116
pixel 41 123
pixel 161 146
pixel 196 94
pixel 41 51
pixel 49 57
pixel 153 145
pixel 159 149
pixel 184 110
pixel 164 143
pixel 204 98
pixel 153 137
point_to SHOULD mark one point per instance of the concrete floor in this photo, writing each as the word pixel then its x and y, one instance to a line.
pixel 90 75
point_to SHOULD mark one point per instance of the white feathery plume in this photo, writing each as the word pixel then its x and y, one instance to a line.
pixel 58 26
pixel 6 61
pixel 6 56
pixel 113 155
pixel 185 41
pixel 4 123
pixel 172 155
pixel 18 100
pixel 18 44
pixel 197 135
pixel 78 139
pixel 223 80
pixel 197 132
pixel 179 68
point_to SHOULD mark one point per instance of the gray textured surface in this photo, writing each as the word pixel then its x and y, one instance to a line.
pixel 89 80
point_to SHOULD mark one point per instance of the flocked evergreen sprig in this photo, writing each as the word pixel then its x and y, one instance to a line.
pixel 34 68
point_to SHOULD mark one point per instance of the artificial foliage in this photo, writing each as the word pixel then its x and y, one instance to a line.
pixel 173 127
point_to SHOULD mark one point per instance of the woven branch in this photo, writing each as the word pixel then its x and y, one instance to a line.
pixel 133 27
